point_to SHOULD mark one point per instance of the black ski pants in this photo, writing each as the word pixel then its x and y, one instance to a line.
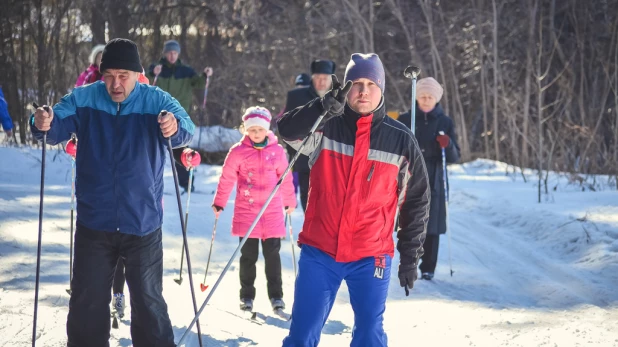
pixel 119 278
pixel 96 256
pixel 249 256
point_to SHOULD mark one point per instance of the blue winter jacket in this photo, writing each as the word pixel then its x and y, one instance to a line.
pixel 5 118
pixel 121 154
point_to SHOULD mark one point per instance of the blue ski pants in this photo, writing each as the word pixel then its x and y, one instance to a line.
pixel 319 279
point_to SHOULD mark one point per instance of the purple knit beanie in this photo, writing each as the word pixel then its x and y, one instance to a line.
pixel 367 66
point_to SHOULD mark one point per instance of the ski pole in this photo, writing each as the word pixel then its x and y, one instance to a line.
pixel 203 110
pixel 38 252
pixel 289 218
pixel 184 230
pixel 412 72
pixel 257 219
pixel 69 291
pixel 154 83
pixel 203 285
pixel 208 74
pixel 182 252
pixel 448 230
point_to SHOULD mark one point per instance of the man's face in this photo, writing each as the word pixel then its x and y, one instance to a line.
pixel 365 96
pixel 119 83
pixel 321 83
pixel 426 102
pixel 171 56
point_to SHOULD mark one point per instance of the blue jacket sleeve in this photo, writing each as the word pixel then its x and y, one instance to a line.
pixel 186 128
pixel 5 118
pixel 64 124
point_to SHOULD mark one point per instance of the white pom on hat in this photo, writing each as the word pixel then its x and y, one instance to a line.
pixel 257 116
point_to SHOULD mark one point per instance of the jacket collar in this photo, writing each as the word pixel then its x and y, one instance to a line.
pixel 163 61
pixel 352 117
pixel 435 113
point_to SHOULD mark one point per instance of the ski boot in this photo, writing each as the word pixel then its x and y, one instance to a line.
pixel 427 276
pixel 246 305
pixel 119 304
pixel 277 304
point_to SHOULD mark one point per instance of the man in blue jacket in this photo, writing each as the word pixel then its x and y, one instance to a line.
pixel 122 137
pixel 5 118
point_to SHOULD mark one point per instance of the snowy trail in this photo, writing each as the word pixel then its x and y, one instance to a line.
pixel 523 276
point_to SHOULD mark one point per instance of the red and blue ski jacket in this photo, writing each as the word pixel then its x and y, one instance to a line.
pixel 363 168
pixel 121 157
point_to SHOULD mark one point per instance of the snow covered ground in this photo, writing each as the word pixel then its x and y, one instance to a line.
pixel 526 274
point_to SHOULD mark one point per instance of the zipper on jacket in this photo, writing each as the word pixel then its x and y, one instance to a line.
pixel 371 172
pixel 116 168
pixel 425 118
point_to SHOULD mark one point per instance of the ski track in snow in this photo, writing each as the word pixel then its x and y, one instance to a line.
pixel 525 274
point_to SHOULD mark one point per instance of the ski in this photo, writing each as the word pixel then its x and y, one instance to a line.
pixel 285 316
pixel 114 319
pixel 253 317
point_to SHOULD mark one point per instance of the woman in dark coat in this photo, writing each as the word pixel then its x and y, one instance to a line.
pixel 430 123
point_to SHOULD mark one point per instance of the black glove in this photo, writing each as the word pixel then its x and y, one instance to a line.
pixel 407 275
pixel 334 101
pixel 218 208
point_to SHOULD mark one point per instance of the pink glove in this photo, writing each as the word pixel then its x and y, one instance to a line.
pixel 190 158
pixel 71 148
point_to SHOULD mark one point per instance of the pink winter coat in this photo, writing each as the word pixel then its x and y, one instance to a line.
pixel 91 75
pixel 256 171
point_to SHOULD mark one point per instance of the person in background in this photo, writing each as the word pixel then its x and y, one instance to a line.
pixel 434 131
pixel 5 118
pixel 178 79
pixel 92 73
pixel 321 71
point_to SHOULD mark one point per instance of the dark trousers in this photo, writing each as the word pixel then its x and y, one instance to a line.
pixel 303 183
pixel 183 173
pixel 96 256
pixel 249 256
pixel 118 287
pixel 430 257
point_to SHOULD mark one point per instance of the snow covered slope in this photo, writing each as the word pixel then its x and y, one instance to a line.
pixel 526 274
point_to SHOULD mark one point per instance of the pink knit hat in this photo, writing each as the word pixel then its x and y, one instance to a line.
pixel 257 116
pixel 430 86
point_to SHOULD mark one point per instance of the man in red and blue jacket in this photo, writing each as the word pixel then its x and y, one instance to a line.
pixel 122 135
pixel 364 167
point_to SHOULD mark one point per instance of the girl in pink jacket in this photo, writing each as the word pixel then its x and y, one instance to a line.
pixel 92 73
pixel 254 165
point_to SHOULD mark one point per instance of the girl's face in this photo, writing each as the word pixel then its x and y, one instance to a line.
pixel 257 134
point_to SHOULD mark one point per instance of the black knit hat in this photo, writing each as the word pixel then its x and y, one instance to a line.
pixel 323 67
pixel 121 54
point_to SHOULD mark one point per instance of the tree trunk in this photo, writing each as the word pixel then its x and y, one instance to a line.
pixel 496 66
pixel 527 83
pixel 97 24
